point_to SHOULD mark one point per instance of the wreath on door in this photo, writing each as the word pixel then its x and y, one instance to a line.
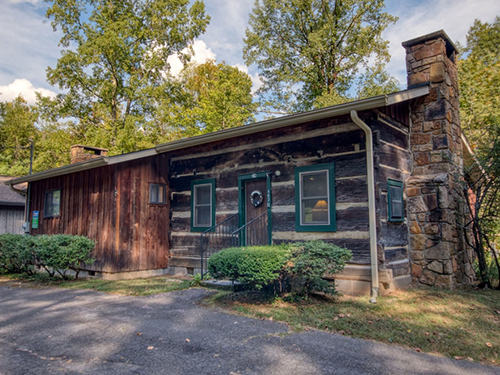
pixel 256 197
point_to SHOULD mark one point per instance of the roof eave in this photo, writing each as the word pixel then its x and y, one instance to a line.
pixel 276 123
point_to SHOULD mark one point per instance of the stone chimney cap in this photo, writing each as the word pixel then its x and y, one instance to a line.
pixel 450 46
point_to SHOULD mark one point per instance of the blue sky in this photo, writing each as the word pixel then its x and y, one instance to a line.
pixel 28 45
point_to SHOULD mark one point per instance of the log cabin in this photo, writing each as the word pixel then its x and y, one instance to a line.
pixel 380 176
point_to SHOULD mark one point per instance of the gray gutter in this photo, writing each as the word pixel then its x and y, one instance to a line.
pixel 276 123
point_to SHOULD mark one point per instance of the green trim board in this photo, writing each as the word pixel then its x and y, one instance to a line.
pixel 323 224
pixel 395 201
pixel 241 200
pixel 196 183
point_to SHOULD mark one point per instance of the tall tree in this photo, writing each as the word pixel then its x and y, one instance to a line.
pixel 219 97
pixel 311 52
pixel 17 130
pixel 479 80
pixel 113 66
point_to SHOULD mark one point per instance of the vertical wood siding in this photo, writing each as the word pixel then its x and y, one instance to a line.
pixel 111 205
pixel 11 219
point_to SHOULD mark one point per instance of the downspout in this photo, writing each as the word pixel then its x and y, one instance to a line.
pixel 371 203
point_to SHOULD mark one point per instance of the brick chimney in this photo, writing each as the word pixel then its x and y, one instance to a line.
pixel 82 153
pixel 439 254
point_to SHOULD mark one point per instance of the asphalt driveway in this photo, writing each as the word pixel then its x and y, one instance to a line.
pixel 47 331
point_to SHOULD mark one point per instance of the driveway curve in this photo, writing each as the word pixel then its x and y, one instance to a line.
pixel 56 331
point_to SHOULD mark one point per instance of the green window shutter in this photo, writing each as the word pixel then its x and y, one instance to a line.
pixel 202 205
pixel 395 202
pixel 315 198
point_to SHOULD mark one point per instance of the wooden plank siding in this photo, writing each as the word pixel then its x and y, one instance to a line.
pixel 393 161
pixel 110 204
pixel 11 219
pixel 337 141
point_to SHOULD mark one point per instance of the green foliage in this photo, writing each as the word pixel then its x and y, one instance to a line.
pixel 256 266
pixel 113 66
pixel 479 83
pixel 218 97
pixel 311 53
pixel 62 252
pixel 54 253
pixel 311 261
pixel 16 253
pixel 298 267
pixel 17 129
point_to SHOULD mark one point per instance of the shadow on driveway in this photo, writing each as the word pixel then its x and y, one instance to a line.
pixel 47 331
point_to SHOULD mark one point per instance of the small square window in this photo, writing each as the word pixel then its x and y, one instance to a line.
pixel 52 203
pixel 157 193
pixel 395 201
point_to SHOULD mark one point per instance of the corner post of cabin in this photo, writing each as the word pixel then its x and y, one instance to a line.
pixel 439 255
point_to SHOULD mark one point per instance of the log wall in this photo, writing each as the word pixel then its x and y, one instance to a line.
pixel 337 141
pixel 111 205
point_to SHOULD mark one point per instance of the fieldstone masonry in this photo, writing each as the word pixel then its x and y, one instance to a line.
pixel 438 253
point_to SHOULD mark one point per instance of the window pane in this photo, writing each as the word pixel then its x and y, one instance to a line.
pixel 202 216
pixel 315 211
pixel 314 184
pixel 202 194
pixel 397 202
pixel 161 194
pixel 153 191
pixel 56 202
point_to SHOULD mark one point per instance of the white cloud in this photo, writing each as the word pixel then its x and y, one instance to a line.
pixel 27 43
pixel 202 53
pixel 256 81
pixel 24 88
pixel 455 17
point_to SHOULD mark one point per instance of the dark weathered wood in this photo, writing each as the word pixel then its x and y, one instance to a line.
pixel 393 234
pixel 394 255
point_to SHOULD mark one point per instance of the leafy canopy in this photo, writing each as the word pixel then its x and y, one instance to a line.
pixel 113 66
pixel 311 53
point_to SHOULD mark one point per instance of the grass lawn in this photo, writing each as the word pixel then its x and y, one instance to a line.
pixel 134 287
pixel 460 324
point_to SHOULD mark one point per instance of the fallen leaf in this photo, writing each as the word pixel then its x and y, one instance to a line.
pixel 470 359
pixel 151 347
pixel 370 322
pixel 488 344
pixel 348 315
pixel 426 333
pixel 271 319
pixel 459 358
pixel 472 308
pixel 336 318
pixel 408 330
pixel 418 350
pixel 498 312
pixel 341 316
pixel 187 340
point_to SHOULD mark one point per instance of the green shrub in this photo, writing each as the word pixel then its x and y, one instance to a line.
pixel 16 253
pixel 63 252
pixel 256 266
pixel 310 261
pixel 54 253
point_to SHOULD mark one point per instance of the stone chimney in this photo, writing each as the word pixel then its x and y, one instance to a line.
pixel 439 254
pixel 82 153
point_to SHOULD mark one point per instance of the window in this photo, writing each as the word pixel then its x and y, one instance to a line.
pixel 315 198
pixel 202 205
pixel 52 204
pixel 395 200
pixel 157 193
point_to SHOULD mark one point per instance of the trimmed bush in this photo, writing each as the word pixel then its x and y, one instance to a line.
pixel 310 261
pixel 256 266
pixel 54 253
pixel 298 267
pixel 16 253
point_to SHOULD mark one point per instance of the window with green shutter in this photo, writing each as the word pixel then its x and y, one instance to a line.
pixel 315 198
pixel 395 201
